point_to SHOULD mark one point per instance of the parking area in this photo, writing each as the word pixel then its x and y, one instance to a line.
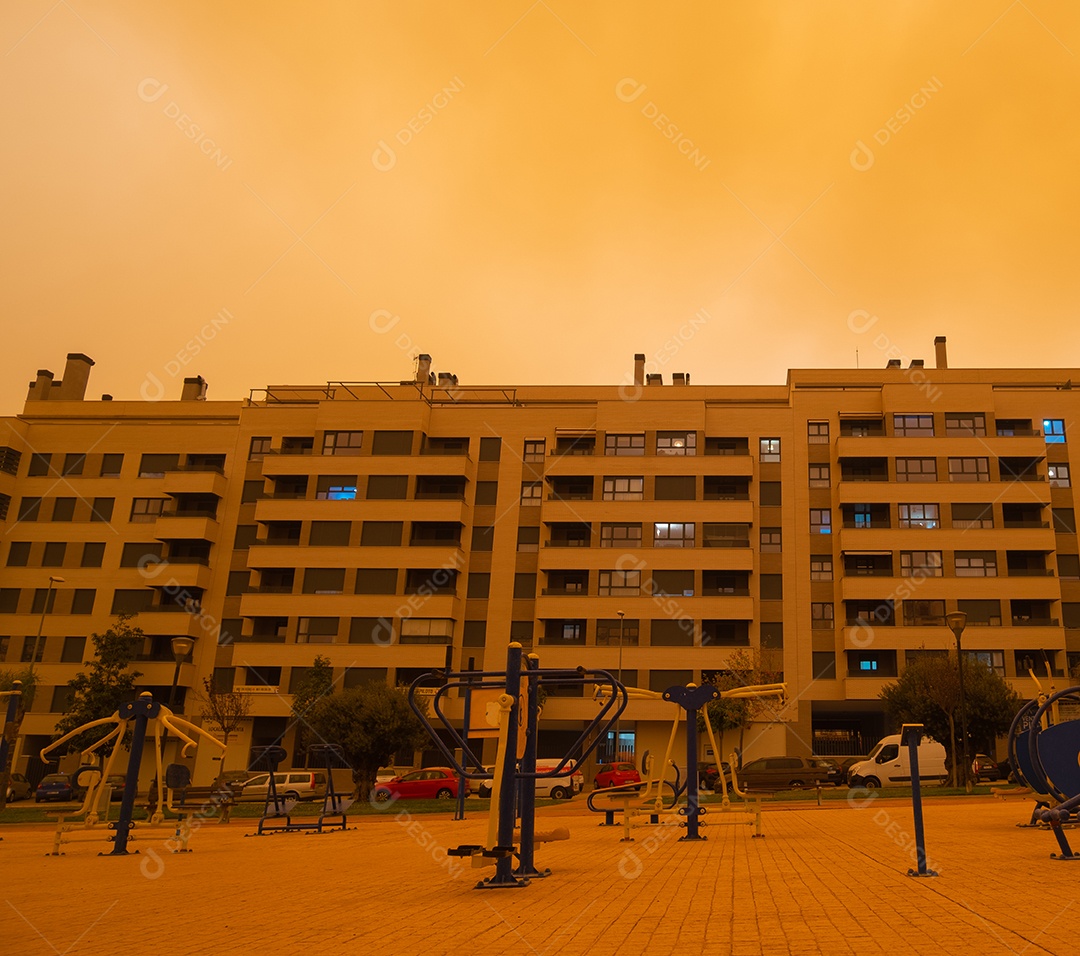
pixel 823 880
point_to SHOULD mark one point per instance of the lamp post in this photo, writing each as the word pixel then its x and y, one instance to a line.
pixel 181 647
pixel 53 579
pixel 618 720
pixel 957 621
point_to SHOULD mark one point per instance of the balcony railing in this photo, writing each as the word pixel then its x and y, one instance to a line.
pixel 1031 572
pixel 286 495
pixel 569 591
pixel 568 543
pixel 216 469
pixel 191 513
pixel 187 559
pixel 726 543
pixel 570 496
pixel 869 572
pixel 272 589
pixel 629 640
pixel 844 477
pixel 278 542
pixel 872 525
pixel 1022 524
pixel 1035 622
pixel 725 592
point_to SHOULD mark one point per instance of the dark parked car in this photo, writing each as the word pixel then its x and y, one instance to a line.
pixel 709 774
pixel 782 773
pixel 837 774
pixel 18 788
pixel 987 768
pixel 847 763
pixel 116 781
pixel 615 775
pixel 54 786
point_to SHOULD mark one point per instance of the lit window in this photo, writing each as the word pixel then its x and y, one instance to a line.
pixel 1054 430
pixel 673 534
pixel 624 489
pixel 920 563
pixel 338 493
pixel 919 516
pixel 769 449
pixel 1058 475
pixel 820 521
pixel 676 443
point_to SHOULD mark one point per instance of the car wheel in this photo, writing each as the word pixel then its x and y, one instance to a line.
pixel 796 785
pixel 444 794
pixel 559 793
pixel 871 783
pixel 291 795
pixel 596 784
pixel 381 796
pixel 37 799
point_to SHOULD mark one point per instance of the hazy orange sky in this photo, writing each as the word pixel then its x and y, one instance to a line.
pixel 533 193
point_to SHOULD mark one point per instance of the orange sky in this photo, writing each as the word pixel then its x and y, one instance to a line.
pixel 541 220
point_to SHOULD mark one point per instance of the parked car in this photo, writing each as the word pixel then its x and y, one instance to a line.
pixel 709 774
pixel 18 788
pixel 54 786
pixel 291 784
pixel 556 788
pixel 117 782
pixel 888 764
pixel 987 768
pixel 615 775
pixel 431 783
pixel 837 774
pixel 847 763
pixel 782 773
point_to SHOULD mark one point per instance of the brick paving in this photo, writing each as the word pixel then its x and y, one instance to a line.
pixel 828 880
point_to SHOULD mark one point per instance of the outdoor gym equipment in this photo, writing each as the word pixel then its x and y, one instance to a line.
pixel 517 707
pixel 139 712
pixel 280 806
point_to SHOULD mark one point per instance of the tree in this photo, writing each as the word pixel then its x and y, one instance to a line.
pixel 928 693
pixel 745 668
pixel 370 723
pixel 101 691
pixel 11 731
pixel 317 683
pixel 225 709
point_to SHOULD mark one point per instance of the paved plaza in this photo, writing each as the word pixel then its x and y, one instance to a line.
pixel 823 880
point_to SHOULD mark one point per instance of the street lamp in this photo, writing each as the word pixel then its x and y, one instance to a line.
pixel 53 579
pixel 957 621
pixel 618 721
pixel 181 647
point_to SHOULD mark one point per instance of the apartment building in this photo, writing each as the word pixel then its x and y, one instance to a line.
pixel 824 526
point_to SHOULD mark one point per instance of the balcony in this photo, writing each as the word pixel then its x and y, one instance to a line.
pixel 1035 622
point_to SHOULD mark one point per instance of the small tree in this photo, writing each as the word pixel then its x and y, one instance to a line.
pixel 746 667
pixel 11 731
pixel 317 683
pixel 370 723
pixel 928 693
pixel 99 692
pixel 225 709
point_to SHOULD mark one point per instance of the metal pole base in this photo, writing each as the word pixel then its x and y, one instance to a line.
pixel 500 883
pixel 535 874
pixel 1064 857
pixel 688 838
pixel 918 875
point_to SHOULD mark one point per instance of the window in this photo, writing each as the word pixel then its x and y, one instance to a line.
pixel 1058 475
pixel 772 587
pixel 771 494
pixel 478 584
pixel 920 564
pixel 392 443
pixel 74 463
pixel 323 580
pixel 39 465
pixel 54 554
pixel 919 516
pixel 619 583
pixel 239 582
pixel 316 630
pixel 1068 567
pixel 620 535
pixel 821 567
pixel 624 444
pixel 671 583
pixel 525 586
pixel 490 448
pixel 972 516
pixel 819 476
pixel 342 443
pixel 824 664
pixel 73 650
pixel 976 564
pixel 676 443
pixel 387 487
pixel 817 433
pixel 528 539
pixel 487 492
pixel 376 580
pixel 673 534
pixel 981 612
pixel 155 466
pixel 532 493
pixel 483 537
pixel 769 449
pixel 965 423
pixel 146 509
pixel 29 509
pixel 995 660
pixel 820 521
pixel 103 509
pixel 1054 430
pixel 624 489
pixel 330 534
pixel 913 426
pixel 111 465
pixel 63 509
pixel 18 554
pixel 916 469
pixel 771 540
pixel 336 487
pixel 675 488
pixel 969 469
pixel 535 449
pixel 474 634
pixel 822 616
pixel 92 554
pixel 381 534
pixel 725 534
pixel 260 446
pixel 1064 521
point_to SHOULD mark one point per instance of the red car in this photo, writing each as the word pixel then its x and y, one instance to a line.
pixel 431 783
pixel 615 775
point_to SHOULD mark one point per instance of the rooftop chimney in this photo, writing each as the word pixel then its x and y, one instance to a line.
pixel 194 390
pixel 76 376
pixel 654 378
pixel 447 380
pixel 639 368
pixel 424 375
pixel 39 390
pixel 680 378
pixel 917 363
pixel 941 356
pixel 893 363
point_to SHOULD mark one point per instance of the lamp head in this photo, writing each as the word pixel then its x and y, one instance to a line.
pixel 181 647
pixel 957 621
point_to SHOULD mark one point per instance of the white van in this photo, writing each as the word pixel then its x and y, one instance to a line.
pixel 889 764
pixel 556 788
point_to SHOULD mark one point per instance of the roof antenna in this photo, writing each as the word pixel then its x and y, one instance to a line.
pixel 856 358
